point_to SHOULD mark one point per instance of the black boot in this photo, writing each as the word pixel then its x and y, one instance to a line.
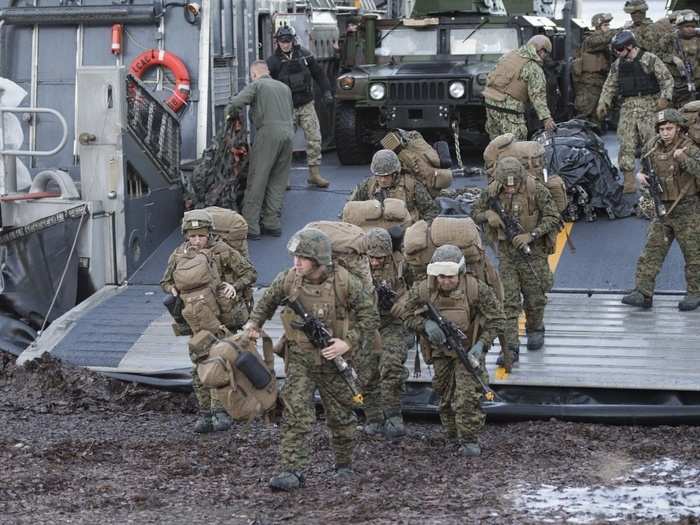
pixel 204 424
pixel 690 302
pixel 535 338
pixel 287 480
pixel 637 298
pixel 393 425
pixel 220 420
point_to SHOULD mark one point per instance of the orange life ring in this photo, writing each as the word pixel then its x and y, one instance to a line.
pixel 160 57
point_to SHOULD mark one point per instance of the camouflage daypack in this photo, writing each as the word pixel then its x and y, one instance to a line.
pixel 244 382
pixel 375 214
pixel 230 226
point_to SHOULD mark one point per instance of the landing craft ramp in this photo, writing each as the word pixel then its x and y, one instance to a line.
pixel 601 361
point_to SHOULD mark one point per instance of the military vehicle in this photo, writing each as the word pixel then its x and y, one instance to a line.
pixel 427 72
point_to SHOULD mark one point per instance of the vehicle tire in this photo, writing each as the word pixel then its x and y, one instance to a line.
pixel 350 147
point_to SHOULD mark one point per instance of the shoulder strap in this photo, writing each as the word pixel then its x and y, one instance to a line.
pixel 371 186
pixel 409 183
pixel 530 187
pixel 341 285
pixel 291 284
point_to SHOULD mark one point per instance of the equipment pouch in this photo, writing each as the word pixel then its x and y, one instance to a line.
pixel 253 369
pixel 214 372
pixel 201 310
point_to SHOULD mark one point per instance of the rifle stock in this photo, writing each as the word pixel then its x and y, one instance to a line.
pixel 655 188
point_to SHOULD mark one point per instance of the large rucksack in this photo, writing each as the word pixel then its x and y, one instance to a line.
pixel 376 214
pixel 349 247
pixel 230 227
pixel 423 162
pixel 244 382
pixel 691 111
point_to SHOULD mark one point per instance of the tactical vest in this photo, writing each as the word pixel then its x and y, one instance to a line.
pixel 326 301
pixel 296 74
pixel 404 189
pixel 459 306
pixel 196 278
pixel 505 78
pixel 522 205
pixel 633 81
pixel 676 182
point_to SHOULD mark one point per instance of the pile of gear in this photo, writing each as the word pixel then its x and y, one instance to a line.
pixel 576 153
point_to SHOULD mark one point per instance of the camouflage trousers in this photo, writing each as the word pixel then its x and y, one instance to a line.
pixel 306 118
pixel 524 287
pixel 635 128
pixel 587 95
pixel 681 224
pixel 383 373
pixel 500 122
pixel 206 398
pixel 460 412
pixel 306 372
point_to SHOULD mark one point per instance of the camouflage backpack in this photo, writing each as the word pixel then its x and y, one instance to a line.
pixel 230 227
pixel 691 111
pixel 244 382
pixel 349 247
pixel 375 214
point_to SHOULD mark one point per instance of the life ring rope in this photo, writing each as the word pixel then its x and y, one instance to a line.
pixel 160 57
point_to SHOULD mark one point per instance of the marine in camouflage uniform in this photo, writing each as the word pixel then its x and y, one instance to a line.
pixel 271 153
pixel 297 67
pixel 473 307
pixel 645 85
pixel 591 69
pixel 522 274
pixel 685 58
pixel 645 32
pixel 387 181
pixel 385 365
pixel 676 161
pixel 215 306
pixel 340 300
pixel 518 79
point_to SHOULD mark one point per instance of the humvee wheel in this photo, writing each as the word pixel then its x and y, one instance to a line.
pixel 351 149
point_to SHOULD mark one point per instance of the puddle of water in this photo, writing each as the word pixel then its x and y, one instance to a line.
pixel 665 489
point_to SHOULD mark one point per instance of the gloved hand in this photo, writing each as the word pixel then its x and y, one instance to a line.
pixel 662 104
pixel 474 354
pixel 494 219
pixel 328 98
pixel 522 240
pixel 435 335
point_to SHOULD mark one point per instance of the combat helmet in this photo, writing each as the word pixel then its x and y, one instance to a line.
pixel 196 221
pixel 622 40
pixel 601 18
pixel 509 172
pixel 447 260
pixel 379 243
pixel 385 162
pixel 686 16
pixel 285 33
pixel 635 6
pixel 540 42
pixel 670 115
pixel 312 244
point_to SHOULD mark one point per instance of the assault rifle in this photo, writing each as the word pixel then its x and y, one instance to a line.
pixel 687 73
pixel 455 340
pixel 512 226
pixel 655 187
pixel 386 296
pixel 320 337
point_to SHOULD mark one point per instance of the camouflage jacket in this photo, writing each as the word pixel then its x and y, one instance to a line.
pixel 363 312
pixel 232 266
pixel 651 64
pixel 425 205
pixel 533 75
pixel 548 224
pixel 487 306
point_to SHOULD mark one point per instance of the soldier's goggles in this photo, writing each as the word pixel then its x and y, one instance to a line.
pixel 687 18
pixel 285 39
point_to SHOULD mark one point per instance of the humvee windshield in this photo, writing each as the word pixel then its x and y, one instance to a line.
pixel 408 42
pixel 485 41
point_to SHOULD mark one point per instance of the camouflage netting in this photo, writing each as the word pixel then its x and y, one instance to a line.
pixel 219 178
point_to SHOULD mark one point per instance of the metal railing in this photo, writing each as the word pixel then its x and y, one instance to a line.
pixel 154 126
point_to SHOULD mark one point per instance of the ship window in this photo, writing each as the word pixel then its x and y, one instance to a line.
pixel 407 42
pixel 484 41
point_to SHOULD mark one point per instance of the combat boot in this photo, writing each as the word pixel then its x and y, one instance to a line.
pixel 220 421
pixel 637 298
pixel 315 177
pixel 287 480
pixel 690 302
pixel 535 338
pixel 393 425
pixel 470 449
pixel 204 424
pixel 373 428
pixel 343 471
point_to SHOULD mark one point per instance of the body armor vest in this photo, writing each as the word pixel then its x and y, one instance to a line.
pixel 633 81
pixel 459 306
pixel 196 277
pixel 296 74
pixel 505 78
pixel 674 180
pixel 403 189
pixel 326 301
pixel 522 205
